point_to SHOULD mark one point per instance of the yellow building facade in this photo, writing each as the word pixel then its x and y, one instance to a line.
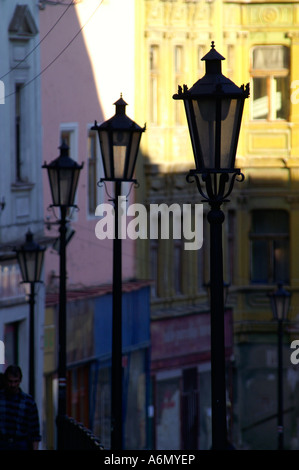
pixel 260 42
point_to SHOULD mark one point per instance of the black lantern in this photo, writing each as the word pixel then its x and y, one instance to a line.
pixel 63 173
pixel 214 107
pixel 30 257
pixel 119 140
pixel 280 303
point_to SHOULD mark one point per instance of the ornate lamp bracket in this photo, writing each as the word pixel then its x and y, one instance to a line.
pixel 218 184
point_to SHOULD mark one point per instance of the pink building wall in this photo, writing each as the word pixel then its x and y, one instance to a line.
pixel 69 95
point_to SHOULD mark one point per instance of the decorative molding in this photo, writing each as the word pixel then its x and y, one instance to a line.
pixel 294 37
pixel 256 16
pixel 22 24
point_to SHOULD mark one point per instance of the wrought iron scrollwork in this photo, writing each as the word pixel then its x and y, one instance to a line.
pixel 102 182
pixel 215 186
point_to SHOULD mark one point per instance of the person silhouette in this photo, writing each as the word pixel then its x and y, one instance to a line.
pixel 19 419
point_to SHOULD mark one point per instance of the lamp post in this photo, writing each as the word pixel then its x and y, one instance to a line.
pixel 280 304
pixel 119 139
pixel 63 174
pixel 226 286
pixel 214 107
pixel 30 257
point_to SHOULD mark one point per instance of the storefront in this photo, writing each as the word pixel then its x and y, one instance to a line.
pixel 181 376
pixel 89 342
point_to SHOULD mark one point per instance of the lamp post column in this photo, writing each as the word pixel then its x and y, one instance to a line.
pixel 280 304
pixel 31 341
pixel 219 430
pixel 62 328
pixel 280 429
pixel 116 366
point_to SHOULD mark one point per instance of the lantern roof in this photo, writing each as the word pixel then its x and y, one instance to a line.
pixel 120 121
pixel 30 244
pixel 63 160
pixel 213 82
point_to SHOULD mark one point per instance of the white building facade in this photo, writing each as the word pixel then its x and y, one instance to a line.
pixel 21 195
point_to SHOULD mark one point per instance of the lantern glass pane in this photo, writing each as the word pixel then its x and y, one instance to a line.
pixel 215 131
pixel 105 150
pixel 120 145
pixel 31 263
pixel 205 119
pixel 74 178
pixel 192 126
pixel 54 185
pixel 63 182
pixel 280 303
pixel 22 263
pixel 39 265
pixel 230 128
pixel 65 186
pixel 133 154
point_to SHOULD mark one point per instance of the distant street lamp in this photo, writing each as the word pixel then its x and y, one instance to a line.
pixel 280 304
pixel 30 257
pixel 119 139
pixel 214 107
pixel 63 173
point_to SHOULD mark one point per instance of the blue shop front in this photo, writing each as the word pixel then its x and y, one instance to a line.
pixel 89 345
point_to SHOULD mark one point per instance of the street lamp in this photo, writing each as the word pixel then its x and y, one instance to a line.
pixel 119 139
pixel 63 173
pixel 30 257
pixel 214 107
pixel 280 304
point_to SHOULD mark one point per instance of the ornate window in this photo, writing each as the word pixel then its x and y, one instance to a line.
pixel 270 82
pixel 22 29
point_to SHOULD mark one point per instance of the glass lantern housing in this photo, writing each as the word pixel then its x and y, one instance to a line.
pixel 119 139
pixel 214 108
pixel 30 257
pixel 63 173
pixel 280 303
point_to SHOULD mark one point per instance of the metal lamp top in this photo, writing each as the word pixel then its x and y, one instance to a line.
pixel 120 121
pixel 30 244
pixel 213 82
pixel 63 160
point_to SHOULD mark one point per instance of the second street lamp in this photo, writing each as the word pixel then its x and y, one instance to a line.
pixel 63 173
pixel 30 257
pixel 214 107
pixel 119 139
pixel 280 304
